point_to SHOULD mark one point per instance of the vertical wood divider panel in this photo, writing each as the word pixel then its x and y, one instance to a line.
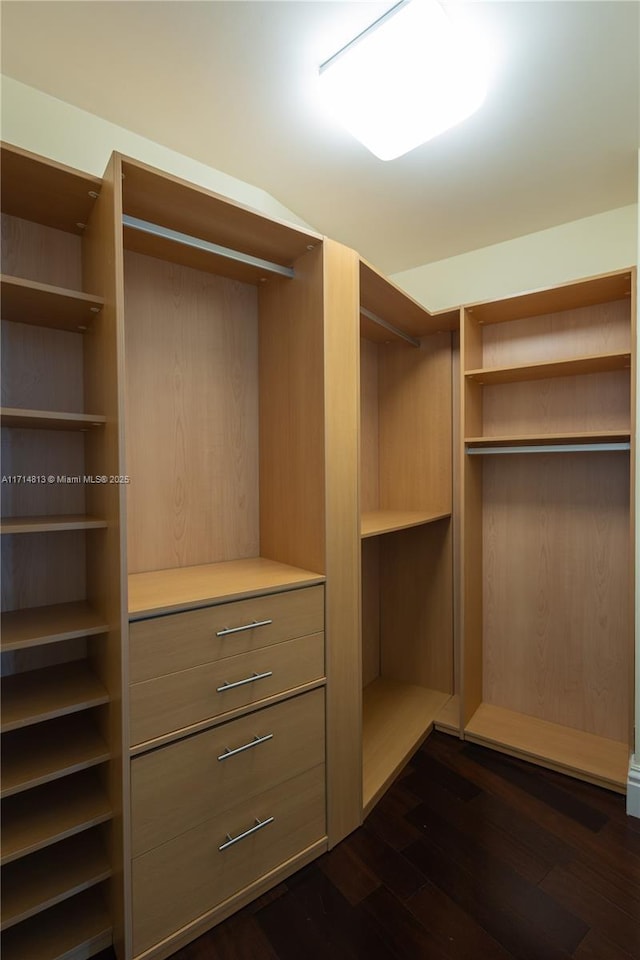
pixel 470 530
pixel 291 405
pixel 343 601
pixel 369 427
pixel 456 469
pixel 633 720
pixel 106 556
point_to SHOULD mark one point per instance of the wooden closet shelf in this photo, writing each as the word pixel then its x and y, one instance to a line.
pixel 585 436
pixel 44 305
pixel 50 876
pixel 568 296
pixel 579 754
pixel 162 591
pixel 50 524
pixel 595 363
pixel 34 820
pixel 388 521
pixel 397 717
pixel 75 929
pixel 36 626
pixel 384 298
pixel 50 692
pixel 196 211
pixel 36 755
pixel 47 192
pixel 48 419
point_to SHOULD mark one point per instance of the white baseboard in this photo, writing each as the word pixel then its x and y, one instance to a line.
pixel 633 787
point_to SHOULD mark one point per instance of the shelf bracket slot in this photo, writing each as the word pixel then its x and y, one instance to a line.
pixel 188 241
pixel 390 327
pixel 552 448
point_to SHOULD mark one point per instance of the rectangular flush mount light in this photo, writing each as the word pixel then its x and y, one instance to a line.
pixel 408 77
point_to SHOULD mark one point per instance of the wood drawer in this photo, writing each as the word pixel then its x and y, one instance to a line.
pixel 181 640
pixel 180 880
pixel 170 703
pixel 175 788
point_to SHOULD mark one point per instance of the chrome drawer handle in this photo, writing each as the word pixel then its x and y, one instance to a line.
pixel 247 746
pixel 240 683
pixel 241 836
pixel 245 626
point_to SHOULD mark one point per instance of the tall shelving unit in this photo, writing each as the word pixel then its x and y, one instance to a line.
pixel 60 560
pixel 405 501
pixel 547 424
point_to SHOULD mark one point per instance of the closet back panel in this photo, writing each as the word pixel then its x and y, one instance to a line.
pixel 35 252
pixel 556 572
pixel 416 606
pixel 192 416
pixel 602 328
pixel 415 425
pixel 597 401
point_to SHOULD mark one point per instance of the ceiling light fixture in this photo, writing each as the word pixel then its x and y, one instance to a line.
pixel 408 77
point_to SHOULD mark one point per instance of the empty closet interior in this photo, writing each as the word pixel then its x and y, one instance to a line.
pixel 547 574
pixel 406 535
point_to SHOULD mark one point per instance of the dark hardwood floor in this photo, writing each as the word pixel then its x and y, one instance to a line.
pixel 470 855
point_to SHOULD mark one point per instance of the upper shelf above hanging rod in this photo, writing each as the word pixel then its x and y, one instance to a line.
pixel 552 448
pixel 390 327
pixel 165 233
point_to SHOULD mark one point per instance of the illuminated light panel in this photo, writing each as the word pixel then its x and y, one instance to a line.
pixel 411 75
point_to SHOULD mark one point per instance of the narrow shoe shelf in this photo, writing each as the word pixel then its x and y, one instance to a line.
pixel 388 521
pixel 48 419
pixel 53 524
pixel 34 820
pixel 75 929
pixel 35 626
pixel 44 305
pixel 43 879
pixel 50 692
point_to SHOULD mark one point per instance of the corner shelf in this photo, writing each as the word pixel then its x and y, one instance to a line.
pixel 33 756
pixel 50 876
pixel 36 626
pixel 594 363
pixel 47 192
pixel 53 524
pixel 45 305
pixel 48 419
pixel 56 691
pixel 73 930
pixel 388 521
pixel 397 717
pixel 568 750
pixel 45 815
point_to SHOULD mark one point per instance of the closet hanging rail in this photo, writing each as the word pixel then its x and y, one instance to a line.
pixel 166 233
pixel 390 327
pixel 552 448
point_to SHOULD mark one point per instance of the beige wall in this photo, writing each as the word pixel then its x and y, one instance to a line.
pixel 40 123
pixel 598 244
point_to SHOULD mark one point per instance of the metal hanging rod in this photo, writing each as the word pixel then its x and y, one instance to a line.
pixel 552 448
pixel 157 231
pixel 390 327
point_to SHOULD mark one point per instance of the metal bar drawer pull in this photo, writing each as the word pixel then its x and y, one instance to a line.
pixel 240 683
pixel 259 824
pixel 245 626
pixel 247 746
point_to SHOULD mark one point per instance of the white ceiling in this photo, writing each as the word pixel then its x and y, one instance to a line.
pixel 232 84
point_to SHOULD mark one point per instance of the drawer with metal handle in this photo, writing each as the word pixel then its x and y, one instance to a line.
pixel 171 703
pixel 181 880
pixel 164 645
pixel 175 787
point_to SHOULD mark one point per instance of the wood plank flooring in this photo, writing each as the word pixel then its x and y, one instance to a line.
pixel 471 855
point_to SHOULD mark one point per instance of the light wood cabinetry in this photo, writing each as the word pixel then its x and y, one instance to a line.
pixel 216 661
pixel 406 506
pixel 547 423
pixel 61 779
